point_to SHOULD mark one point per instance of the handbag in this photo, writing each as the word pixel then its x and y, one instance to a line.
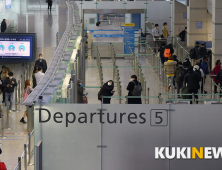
pixel 25 95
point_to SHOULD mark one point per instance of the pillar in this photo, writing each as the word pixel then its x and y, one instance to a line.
pixel 179 17
pixel 197 18
pixel 216 31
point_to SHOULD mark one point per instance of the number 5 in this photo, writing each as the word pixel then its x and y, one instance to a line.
pixel 161 119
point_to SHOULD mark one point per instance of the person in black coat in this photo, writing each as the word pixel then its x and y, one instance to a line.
pixel 9 84
pixel 41 62
pixel 130 88
pixel 161 50
pixel 182 35
pixel 191 80
pixel 3 26
pixel 107 90
pixel 202 52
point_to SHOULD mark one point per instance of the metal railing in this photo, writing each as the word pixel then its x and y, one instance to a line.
pixel 116 74
pixel 25 159
pixel 5 119
pixel 99 65
pixel 133 60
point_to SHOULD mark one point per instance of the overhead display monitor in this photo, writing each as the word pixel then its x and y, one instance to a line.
pixel 16 47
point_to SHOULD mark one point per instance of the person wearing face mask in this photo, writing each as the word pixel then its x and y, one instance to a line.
pixel 156 37
pixel 215 71
pixel 106 90
pixel 9 85
pixel 42 63
pixel 134 87
pixel 183 35
pixel 204 66
pixel 79 92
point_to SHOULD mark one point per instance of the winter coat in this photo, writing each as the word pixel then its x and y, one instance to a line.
pixel 204 66
pixel 191 79
pixel 202 52
pixel 161 50
pixel 130 88
pixel 215 71
pixel 79 94
pixel 11 87
pixel 177 72
pixel 219 76
pixel 3 26
pixel 107 91
pixel 182 35
pixel 170 67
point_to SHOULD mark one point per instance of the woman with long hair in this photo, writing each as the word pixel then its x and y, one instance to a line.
pixel 29 89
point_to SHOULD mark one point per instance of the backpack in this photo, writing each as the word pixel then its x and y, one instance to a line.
pixel 198 74
pixel 167 52
pixel 193 54
pixel 100 94
pixel 137 90
pixel 184 90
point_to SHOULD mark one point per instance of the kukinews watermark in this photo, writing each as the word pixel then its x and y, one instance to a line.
pixel 188 152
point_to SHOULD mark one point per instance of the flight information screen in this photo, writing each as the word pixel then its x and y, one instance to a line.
pixel 17 47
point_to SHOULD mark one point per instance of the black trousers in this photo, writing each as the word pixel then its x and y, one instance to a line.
pixel 179 86
pixel 190 96
pixel 203 80
pixel 50 5
pixel 215 88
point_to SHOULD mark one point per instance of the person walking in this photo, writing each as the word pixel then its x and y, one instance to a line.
pixel 42 63
pixel 156 37
pixel 28 88
pixel 134 87
pixel 204 66
pixel 179 75
pixel 170 67
pixel 192 83
pixel 161 50
pixel 215 71
pixel 9 84
pixel 50 5
pixel 3 25
pixel 106 90
pixel 39 75
pixel 79 92
pixel 202 52
pixel 183 35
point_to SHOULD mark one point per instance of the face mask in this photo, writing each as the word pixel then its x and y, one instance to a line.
pixel 10 77
pixel 220 63
pixel 131 79
pixel 109 84
pixel 40 58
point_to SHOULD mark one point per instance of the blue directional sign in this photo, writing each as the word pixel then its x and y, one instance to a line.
pixel 129 36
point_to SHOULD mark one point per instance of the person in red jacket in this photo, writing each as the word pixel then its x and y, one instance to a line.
pixel 215 71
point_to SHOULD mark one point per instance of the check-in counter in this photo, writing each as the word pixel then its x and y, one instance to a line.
pixel 102 37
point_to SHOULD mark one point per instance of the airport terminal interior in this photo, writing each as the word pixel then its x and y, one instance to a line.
pixel 99 85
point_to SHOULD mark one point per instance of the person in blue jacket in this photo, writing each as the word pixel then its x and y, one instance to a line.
pixel 205 69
